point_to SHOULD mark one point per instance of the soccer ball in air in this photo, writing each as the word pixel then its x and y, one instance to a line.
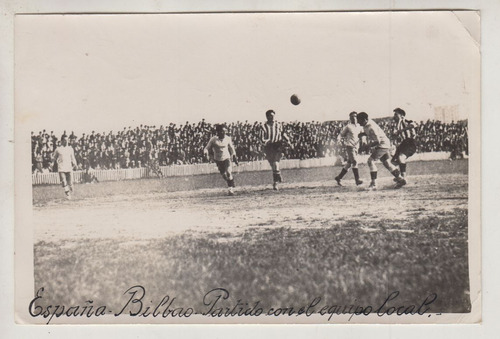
pixel 294 99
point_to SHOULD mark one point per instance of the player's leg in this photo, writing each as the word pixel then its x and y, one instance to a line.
pixel 343 172
pixel 395 157
pixel 373 171
pixel 345 169
pixel 354 165
pixel 402 164
pixel 225 170
pixel 394 170
pixel 277 170
pixel 273 157
pixel 221 166
pixel 390 167
pixel 69 178
pixel 377 154
pixel 277 157
pixel 268 151
pixel 275 166
pixel 229 176
pixel 64 183
pixel 355 172
pixel 408 148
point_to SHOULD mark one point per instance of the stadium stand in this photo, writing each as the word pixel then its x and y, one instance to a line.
pixel 169 145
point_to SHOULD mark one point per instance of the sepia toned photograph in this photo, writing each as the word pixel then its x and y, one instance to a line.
pixel 248 168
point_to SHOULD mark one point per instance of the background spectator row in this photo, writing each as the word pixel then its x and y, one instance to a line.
pixel 183 144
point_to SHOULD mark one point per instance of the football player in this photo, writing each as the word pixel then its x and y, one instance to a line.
pixel 407 132
pixel 220 149
pixel 64 156
pixel 350 139
pixel 379 144
pixel 273 137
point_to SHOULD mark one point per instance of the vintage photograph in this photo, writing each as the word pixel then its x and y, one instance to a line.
pixel 307 167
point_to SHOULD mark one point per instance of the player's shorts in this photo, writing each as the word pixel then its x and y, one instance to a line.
pixel 352 154
pixel 273 151
pixel 408 147
pixel 223 165
pixel 380 153
pixel 66 178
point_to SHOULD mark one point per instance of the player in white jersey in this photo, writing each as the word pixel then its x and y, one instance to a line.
pixel 380 145
pixel 220 149
pixel 64 156
pixel 350 139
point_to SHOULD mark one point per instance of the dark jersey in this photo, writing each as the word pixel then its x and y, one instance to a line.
pixel 407 128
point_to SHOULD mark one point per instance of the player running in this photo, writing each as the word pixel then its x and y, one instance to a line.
pixel 64 156
pixel 273 136
pixel 380 144
pixel 407 132
pixel 220 148
pixel 350 139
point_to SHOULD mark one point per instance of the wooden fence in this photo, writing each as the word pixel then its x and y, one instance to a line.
pixel 197 169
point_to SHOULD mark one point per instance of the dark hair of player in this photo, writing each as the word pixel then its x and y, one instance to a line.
pixel 399 111
pixel 362 116
pixel 270 112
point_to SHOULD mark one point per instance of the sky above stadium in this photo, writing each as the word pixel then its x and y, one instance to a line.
pixel 106 72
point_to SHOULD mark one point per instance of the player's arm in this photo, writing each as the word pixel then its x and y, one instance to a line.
pixel 342 135
pixel 74 163
pixel 55 156
pixel 232 152
pixel 362 134
pixel 373 143
pixel 286 137
pixel 373 140
pixel 207 151
pixel 262 134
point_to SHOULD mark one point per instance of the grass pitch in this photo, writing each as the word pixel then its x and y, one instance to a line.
pixel 183 237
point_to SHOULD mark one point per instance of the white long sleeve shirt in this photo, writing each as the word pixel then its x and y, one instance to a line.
pixel 350 134
pixel 65 158
pixel 375 134
pixel 222 149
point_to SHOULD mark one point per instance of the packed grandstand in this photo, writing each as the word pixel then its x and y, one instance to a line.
pixel 173 144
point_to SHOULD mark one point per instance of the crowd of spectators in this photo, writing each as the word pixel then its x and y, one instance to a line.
pixel 183 144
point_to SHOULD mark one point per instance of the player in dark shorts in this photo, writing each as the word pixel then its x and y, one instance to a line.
pixel 349 138
pixel 273 137
pixel 220 148
pixel 406 131
pixel 64 156
pixel 223 166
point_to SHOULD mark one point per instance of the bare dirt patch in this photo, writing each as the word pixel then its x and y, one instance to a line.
pixel 296 205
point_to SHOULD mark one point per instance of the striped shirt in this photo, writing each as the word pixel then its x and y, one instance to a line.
pixel 406 129
pixel 272 132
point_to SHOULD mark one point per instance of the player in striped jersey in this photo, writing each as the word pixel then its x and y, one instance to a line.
pixel 380 149
pixel 220 148
pixel 350 139
pixel 406 132
pixel 273 136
